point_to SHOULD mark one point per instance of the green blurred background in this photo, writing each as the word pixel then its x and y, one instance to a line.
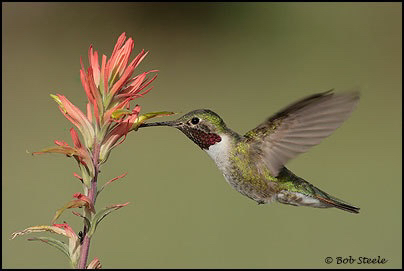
pixel 245 61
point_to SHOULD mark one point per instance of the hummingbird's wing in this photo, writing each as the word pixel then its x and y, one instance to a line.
pixel 299 126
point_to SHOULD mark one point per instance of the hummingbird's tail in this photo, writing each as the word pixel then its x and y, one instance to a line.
pixel 309 195
pixel 337 203
pixel 327 199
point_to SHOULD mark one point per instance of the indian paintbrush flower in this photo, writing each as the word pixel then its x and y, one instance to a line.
pixel 110 88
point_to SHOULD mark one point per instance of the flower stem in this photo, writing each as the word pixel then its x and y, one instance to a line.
pixel 85 247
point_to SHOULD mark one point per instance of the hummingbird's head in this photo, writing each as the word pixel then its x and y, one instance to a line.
pixel 203 126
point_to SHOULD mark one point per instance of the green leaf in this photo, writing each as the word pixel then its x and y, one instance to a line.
pixel 101 214
pixel 110 181
pixel 53 242
pixel 120 112
pixel 86 175
pixel 71 204
pixel 69 151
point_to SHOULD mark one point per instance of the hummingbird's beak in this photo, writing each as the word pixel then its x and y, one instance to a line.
pixel 163 123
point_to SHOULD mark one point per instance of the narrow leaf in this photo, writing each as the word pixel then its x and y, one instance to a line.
pixel 69 151
pixel 120 112
pixel 110 181
pixel 71 204
pixel 101 214
pixel 42 228
pixel 53 242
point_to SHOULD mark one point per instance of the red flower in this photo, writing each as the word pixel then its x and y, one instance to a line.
pixel 109 89
pixel 111 86
pixel 74 114
pixel 120 130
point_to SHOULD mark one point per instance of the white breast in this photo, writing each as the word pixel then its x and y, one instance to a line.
pixel 219 152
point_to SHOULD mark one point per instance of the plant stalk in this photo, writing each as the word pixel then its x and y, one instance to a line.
pixel 92 192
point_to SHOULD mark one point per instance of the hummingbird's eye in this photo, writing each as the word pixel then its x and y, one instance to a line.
pixel 194 120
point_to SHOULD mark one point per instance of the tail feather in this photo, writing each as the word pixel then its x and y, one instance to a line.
pixel 339 204
pixel 324 198
pixel 333 201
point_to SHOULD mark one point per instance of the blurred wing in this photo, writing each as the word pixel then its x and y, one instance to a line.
pixel 299 126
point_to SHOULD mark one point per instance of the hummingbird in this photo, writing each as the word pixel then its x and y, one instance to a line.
pixel 254 164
